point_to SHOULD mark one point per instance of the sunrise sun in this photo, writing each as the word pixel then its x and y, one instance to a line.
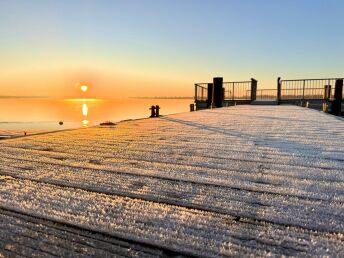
pixel 84 88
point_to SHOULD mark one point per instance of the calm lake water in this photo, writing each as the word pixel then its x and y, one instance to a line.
pixel 36 115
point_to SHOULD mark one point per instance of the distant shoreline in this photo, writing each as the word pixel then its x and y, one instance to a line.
pixel 161 97
pixel 49 97
pixel 23 97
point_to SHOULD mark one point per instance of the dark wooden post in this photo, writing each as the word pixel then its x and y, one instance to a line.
pixel 210 94
pixel 338 97
pixel 218 91
pixel 254 83
pixel 279 88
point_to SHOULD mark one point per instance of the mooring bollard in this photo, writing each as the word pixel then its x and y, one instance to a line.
pixel 157 108
pixel 152 108
pixel 192 107
pixel 307 104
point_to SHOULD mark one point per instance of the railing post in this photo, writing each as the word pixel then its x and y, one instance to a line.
pixel 253 89
pixel 279 88
pixel 327 92
pixel 233 92
pixel 338 97
pixel 209 95
pixel 303 90
pixel 195 93
pixel 218 91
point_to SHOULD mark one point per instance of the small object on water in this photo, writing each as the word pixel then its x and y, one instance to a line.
pixel 107 123
pixel 152 108
pixel 60 123
pixel 157 108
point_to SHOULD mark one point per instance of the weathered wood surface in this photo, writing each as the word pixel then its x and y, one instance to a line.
pixel 239 181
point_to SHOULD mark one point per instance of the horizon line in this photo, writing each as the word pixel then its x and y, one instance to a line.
pixel 163 97
pixel 23 97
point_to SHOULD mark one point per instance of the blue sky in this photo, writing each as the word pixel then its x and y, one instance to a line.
pixel 172 43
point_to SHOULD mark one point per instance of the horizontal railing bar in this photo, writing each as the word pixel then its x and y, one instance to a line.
pixel 300 88
pixel 311 79
pixel 205 83
pixel 238 82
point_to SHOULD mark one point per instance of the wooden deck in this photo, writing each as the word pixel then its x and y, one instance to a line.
pixel 238 181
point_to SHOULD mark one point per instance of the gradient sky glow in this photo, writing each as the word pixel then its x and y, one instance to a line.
pixel 160 48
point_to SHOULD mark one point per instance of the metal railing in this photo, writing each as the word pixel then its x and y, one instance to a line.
pixel 232 90
pixel 266 94
pixel 306 89
pixel 201 91
pixel 237 90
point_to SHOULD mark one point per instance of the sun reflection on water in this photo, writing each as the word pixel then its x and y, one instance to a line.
pixel 85 109
pixel 85 122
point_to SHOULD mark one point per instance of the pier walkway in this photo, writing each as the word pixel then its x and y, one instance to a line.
pixel 237 181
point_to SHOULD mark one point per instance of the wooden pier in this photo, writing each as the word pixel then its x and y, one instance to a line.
pixel 238 181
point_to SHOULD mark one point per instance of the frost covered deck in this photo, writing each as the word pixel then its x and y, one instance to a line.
pixel 259 180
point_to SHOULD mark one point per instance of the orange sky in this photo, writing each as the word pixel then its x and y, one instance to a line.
pixel 161 48
pixel 102 84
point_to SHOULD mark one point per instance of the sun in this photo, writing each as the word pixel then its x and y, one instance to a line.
pixel 83 88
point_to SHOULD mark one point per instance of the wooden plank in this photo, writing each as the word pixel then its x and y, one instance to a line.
pixel 261 180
